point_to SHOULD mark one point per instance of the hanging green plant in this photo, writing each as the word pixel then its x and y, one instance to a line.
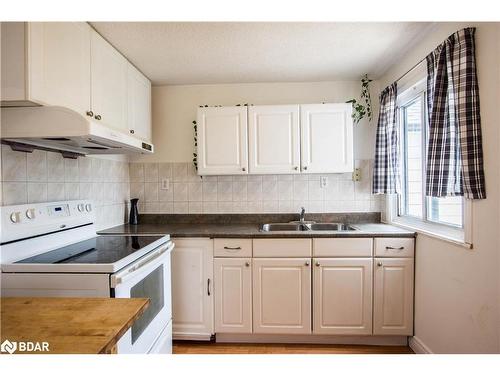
pixel 195 154
pixel 359 110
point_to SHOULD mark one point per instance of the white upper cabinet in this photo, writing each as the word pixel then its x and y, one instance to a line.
pixel 342 296
pixel 139 104
pixel 393 296
pixel 326 138
pixel 222 140
pixel 274 139
pixel 108 84
pixel 46 63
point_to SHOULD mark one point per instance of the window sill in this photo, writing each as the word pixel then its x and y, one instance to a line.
pixel 441 232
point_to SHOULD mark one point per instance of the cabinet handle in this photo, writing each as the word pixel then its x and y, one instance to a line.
pixel 247 264
pixel 380 264
pixel 232 248
pixel 208 286
pixel 296 168
pixel 243 169
pixel 394 248
pixel 98 117
pixel 307 263
pixel 90 113
pixel 318 264
pixel 305 167
pixel 132 131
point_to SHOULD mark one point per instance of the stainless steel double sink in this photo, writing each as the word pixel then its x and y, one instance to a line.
pixel 299 227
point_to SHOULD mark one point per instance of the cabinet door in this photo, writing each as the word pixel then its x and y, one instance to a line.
pixel 326 138
pixel 222 140
pixel 59 64
pixel 342 296
pixel 393 296
pixel 139 104
pixel 109 84
pixel 274 139
pixel 282 295
pixel 192 292
pixel 233 295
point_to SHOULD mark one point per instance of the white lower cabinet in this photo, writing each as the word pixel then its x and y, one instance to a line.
pixel 342 295
pixel 282 295
pixel 233 295
pixel 192 289
pixel 393 296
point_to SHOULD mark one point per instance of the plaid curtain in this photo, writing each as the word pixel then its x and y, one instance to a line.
pixel 454 150
pixel 385 172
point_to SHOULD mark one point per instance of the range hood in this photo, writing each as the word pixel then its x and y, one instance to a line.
pixel 62 129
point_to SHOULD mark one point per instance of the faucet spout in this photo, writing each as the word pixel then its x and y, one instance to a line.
pixel 302 214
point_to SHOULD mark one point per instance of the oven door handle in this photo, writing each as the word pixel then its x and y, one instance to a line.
pixel 129 273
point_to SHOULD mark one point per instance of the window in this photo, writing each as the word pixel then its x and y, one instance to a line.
pixel 412 204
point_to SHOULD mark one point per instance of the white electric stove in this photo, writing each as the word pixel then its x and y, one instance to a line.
pixel 52 250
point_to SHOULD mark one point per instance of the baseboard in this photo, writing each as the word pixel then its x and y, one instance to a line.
pixel 191 336
pixel 418 346
pixel 311 339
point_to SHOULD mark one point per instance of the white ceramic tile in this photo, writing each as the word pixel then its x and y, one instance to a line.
pixel 224 191
pixel 314 177
pixel 285 206
pixel 270 206
pixel 71 170
pixel 316 192
pixel 13 164
pixel 152 207
pixel 209 191
pixel 166 195
pixel 166 207
pixel 55 191
pixel 37 192
pixel 150 172
pixel 72 190
pixel 210 179
pixel 164 171
pixel 254 178
pixel 14 193
pixel 224 178
pixel 254 190
pixel 151 191
pixel 192 174
pixel 36 166
pixel 315 206
pixel 346 190
pixel 85 190
pixel 240 207
pixel 225 207
pixel 285 177
pixel 195 191
pixel 195 207
pixel 301 177
pixel 300 190
pixel 136 171
pixel 285 190
pixel 180 192
pixel 240 178
pixel 108 193
pixel 179 172
pixel 270 189
pixel 137 190
pixel 209 207
pixel 181 208
pixel 254 206
pixel 97 170
pixel 239 191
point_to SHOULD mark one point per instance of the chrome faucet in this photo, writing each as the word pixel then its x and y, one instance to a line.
pixel 302 214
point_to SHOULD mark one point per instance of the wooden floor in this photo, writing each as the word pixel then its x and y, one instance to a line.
pixel 193 347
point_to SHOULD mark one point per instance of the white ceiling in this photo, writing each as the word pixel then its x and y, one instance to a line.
pixel 237 52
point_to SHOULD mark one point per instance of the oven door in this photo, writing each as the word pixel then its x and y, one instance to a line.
pixel 148 277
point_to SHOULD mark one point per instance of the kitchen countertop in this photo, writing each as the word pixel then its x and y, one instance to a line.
pixel 70 325
pixel 237 230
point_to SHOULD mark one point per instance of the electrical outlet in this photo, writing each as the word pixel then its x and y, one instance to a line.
pixel 356 175
pixel 165 184
pixel 323 181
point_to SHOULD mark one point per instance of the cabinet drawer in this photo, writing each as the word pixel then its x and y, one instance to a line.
pixel 233 247
pixel 282 247
pixel 342 247
pixel 394 247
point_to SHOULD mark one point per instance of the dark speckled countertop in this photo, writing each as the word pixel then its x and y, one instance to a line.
pixel 234 226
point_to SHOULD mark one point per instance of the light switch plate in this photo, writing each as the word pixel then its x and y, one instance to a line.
pixel 165 184
pixel 323 181
pixel 356 175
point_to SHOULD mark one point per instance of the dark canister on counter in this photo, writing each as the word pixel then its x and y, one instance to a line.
pixel 134 212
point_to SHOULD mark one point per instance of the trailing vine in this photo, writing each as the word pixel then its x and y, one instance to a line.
pixel 360 110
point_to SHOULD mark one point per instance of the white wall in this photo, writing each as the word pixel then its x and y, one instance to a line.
pixel 174 108
pixel 458 290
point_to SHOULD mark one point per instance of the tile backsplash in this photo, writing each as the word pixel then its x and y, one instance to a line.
pixel 189 193
pixel 44 176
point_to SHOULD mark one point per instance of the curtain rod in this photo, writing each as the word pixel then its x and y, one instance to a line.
pixel 412 68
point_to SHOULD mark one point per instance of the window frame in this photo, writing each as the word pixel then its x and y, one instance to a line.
pixel 459 235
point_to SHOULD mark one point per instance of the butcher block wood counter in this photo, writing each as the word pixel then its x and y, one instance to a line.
pixel 69 325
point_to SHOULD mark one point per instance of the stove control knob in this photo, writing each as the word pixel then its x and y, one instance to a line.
pixel 30 213
pixel 81 207
pixel 88 207
pixel 15 217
